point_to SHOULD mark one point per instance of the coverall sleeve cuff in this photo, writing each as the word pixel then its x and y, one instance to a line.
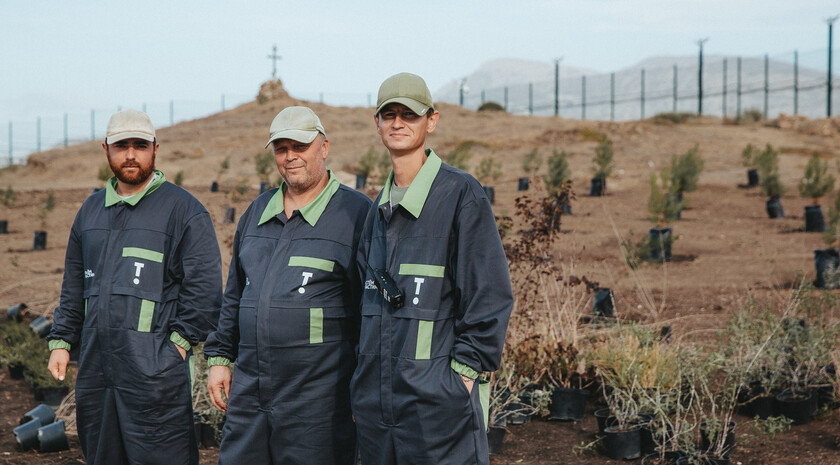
pixel 59 344
pixel 218 361
pixel 462 369
pixel 180 341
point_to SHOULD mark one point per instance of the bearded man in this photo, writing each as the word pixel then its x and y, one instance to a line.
pixel 142 286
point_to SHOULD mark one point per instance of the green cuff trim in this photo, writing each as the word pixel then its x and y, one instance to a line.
pixel 59 344
pixel 218 362
pixel 462 369
pixel 180 341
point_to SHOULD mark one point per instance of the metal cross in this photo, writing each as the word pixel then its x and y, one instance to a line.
pixel 274 57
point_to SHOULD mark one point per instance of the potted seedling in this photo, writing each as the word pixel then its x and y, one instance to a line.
pixel 664 205
pixel 223 167
pixel 814 185
pixel 367 164
pixel 7 198
pixel 263 163
pixel 530 165
pixel 748 156
pixel 770 181
pixel 685 172
pixel 16 345
pixel 103 174
pixel 558 181
pixel 47 206
pixel 827 261
pixel 460 156
pixel 489 170
pixel 602 167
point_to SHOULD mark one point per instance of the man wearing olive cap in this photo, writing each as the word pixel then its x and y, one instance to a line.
pixel 290 312
pixel 142 286
pixel 432 231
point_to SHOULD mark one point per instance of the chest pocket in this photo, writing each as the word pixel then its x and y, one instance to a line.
pixel 422 285
pixel 137 289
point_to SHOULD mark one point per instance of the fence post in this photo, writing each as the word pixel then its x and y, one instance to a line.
pixel 700 78
pixel 38 132
pixel 93 125
pixel 557 86
pixel 828 83
pixel 766 83
pixel 530 98
pixel 506 98
pixel 738 91
pixel 642 97
pixel 171 112
pixel 583 97
pixel 724 88
pixel 612 96
pixel 796 82
pixel 65 129
pixel 675 88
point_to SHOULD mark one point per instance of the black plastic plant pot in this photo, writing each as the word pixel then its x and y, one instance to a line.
pixel 214 187
pixel 52 437
pixel 44 413
pixel 814 219
pixel 361 181
pixel 26 434
pixel 622 443
pixel 16 371
pixel 41 326
pixel 51 396
pixel 230 215
pixel 40 240
pixel 490 192
pixel 568 404
pixel 601 416
pixel 4 226
pixel 667 458
pixel 651 432
pixel 794 406
pixel 728 443
pixel 523 184
pixel 602 304
pixel 752 177
pixel 16 313
pixel 516 413
pixel 763 406
pixel 495 437
pixel 774 208
pixel 208 435
pixel 824 260
pixel 597 187
pixel 660 244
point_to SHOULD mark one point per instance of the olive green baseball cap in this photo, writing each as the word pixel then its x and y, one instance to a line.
pixel 407 89
pixel 129 124
pixel 299 124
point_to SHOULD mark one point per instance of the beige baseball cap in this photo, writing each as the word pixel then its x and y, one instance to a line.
pixel 407 89
pixel 300 124
pixel 129 124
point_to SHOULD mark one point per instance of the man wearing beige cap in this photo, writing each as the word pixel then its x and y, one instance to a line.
pixel 142 286
pixel 289 316
pixel 436 301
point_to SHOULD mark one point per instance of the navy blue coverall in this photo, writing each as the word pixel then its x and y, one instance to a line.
pixel 139 274
pixel 441 246
pixel 290 321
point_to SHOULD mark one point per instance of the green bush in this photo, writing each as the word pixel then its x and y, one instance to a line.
pixel 179 178
pixel 685 170
pixel 831 234
pixel 532 162
pixel 263 162
pixel 749 155
pixel 460 156
pixel 9 197
pixel 558 172
pixel 367 163
pixel 676 118
pixel 816 182
pixel 664 204
pixel 603 160
pixel 751 115
pixel 767 162
pixel 491 106
pixel 105 172
pixel 489 169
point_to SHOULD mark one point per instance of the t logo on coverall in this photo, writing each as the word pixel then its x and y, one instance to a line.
pixel 418 281
pixel 306 276
pixel 137 267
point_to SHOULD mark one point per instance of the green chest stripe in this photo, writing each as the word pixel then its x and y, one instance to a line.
pixel 413 269
pixel 424 339
pixel 316 325
pixel 145 254
pixel 312 262
pixel 147 310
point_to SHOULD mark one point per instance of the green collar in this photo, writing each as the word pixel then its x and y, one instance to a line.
pixel 418 190
pixel 310 212
pixel 111 196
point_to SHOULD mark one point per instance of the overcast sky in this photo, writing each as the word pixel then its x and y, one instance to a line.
pixel 71 56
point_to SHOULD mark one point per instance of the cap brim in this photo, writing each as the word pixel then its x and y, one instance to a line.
pixel 129 135
pixel 297 135
pixel 412 105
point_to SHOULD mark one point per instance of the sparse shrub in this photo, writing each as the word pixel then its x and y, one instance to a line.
pixel 767 163
pixel 460 156
pixel 491 106
pixel 104 172
pixel 676 118
pixel 664 204
pixel 751 115
pixel 367 163
pixel 685 170
pixel 831 234
pixel 816 182
pixel 603 160
pixel 263 162
pixel 532 162
pixel 489 169
pixel 45 208
pixel 179 178
pixel 593 135
pixel 375 167
pixel 558 172
pixel 9 197
pixel 749 155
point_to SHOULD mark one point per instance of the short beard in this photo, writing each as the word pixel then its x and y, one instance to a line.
pixel 140 177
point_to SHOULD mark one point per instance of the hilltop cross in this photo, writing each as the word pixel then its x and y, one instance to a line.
pixel 274 57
